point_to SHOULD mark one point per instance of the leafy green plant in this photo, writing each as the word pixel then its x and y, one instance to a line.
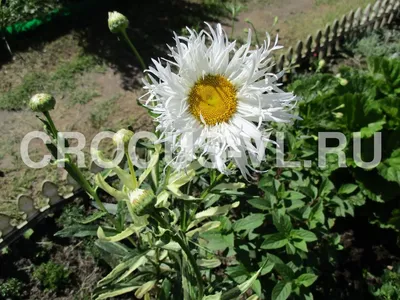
pixel 52 276
pixel 11 289
pixel 387 286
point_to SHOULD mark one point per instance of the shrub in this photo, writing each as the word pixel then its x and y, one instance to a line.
pixel 12 288
pixel 52 276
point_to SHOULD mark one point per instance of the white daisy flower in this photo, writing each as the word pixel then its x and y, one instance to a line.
pixel 215 101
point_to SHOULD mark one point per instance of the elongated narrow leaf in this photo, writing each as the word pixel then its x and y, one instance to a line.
pixel 97 215
pixel 204 228
pixel 117 292
pixel 216 210
pixel 145 288
pixel 209 263
pixel 115 238
pixel 134 264
pixel 114 248
pixel 216 296
pixel 241 288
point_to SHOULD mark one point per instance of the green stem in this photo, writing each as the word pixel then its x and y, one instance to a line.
pixel 255 32
pixel 177 238
pixel 134 50
pixel 53 128
pixel 131 169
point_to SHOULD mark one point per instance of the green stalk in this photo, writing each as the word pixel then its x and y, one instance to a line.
pixel 131 169
pixel 134 50
pixel 177 238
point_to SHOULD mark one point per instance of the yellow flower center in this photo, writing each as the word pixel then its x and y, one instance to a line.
pixel 214 98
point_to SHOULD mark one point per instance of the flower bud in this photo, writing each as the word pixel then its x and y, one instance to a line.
pixel 42 102
pixel 343 81
pixel 321 64
pixel 142 201
pixel 122 136
pixel 117 22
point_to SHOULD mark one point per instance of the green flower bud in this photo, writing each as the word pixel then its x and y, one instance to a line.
pixel 122 136
pixel 42 102
pixel 343 81
pixel 321 64
pixel 117 22
pixel 142 201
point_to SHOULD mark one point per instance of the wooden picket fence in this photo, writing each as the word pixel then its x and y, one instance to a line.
pixel 329 41
pixel 324 44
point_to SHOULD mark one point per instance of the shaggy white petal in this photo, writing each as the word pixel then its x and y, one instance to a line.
pixel 259 100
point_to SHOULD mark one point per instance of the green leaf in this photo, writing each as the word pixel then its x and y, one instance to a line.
pixel 390 168
pixel 216 296
pixel 281 291
pixel 302 245
pixel 216 211
pixel 115 238
pixel 218 241
pixel 145 288
pixel 209 263
pixel 293 195
pixel 369 131
pixel 81 231
pixel 114 248
pixel 229 188
pixel 307 279
pixel 131 264
pixel 326 187
pixel 97 215
pixel 260 203
pixel 116 292
pixel 241 288
pixel 204 228
pixel 285 271
pixel 250 222
pixel 282 223
pixel 274 241
pixel 347 188
pixel 305 235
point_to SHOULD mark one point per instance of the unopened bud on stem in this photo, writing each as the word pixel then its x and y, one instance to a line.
pixel 42 102
pixel 117 22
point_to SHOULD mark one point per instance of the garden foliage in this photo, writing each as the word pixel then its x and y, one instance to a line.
pixel 271 237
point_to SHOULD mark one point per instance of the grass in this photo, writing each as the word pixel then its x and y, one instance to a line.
pixel 64 79
pixel 102 111
pixel 324 12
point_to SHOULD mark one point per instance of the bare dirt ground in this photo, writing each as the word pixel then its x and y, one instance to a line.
pixel 115 106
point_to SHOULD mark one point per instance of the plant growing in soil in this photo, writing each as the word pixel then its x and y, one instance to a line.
pixel 51 276
pixel 205 225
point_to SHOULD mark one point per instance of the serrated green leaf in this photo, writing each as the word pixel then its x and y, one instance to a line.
pixel 369 131
pixel 305 235
pixel 281 291
pixel 260 203
pixel 282 223
pixel 307 279
pixel 390 168
pixel 302 245
pixel 250 222
pixel 285 271
pixel 347 188
pixel 274 241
